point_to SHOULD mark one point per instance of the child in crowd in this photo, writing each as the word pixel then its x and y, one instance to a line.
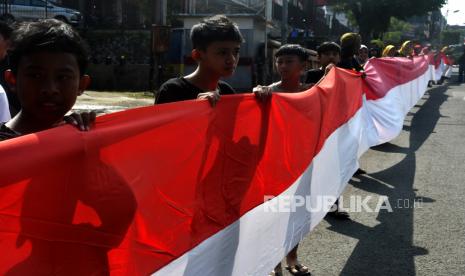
pixel 47 60
pixel 216 45
pixel 290 61
pixel 373 53
pixel 329 54
pixel 389 51
pixel 417 50
pixel 447 65
pixel 350 43
pixel 406 50
pixel 362 56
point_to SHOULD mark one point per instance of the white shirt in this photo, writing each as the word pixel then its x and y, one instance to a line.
pixel 4 107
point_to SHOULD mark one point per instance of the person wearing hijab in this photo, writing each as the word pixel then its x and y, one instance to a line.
pixel 447 65
pixel 407 49
pixel 444 49
pixel 389 51
pixel 350 45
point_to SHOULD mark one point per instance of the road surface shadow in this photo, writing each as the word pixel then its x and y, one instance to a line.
pixel 387 248
pixel 389 147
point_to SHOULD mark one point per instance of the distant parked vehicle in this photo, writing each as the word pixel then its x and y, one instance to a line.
pixel 31 10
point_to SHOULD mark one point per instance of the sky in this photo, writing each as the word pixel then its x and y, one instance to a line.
pixel 454 18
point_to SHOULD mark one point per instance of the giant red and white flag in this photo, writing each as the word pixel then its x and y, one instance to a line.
pixel 186 189
pixel 392 87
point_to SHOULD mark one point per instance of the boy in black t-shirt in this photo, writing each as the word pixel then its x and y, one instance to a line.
pixel 216 44
pixel 329 54
pixel 290 63
pixel 47 60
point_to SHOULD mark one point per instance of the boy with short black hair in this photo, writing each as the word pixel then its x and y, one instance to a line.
pixel 292 50
pixel 329 54
pixel 290 62
pixel 47 60
pixel 216 43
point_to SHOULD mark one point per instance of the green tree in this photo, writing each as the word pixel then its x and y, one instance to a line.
pixel 396 30
pixel 373 17
pixel 450 37
pixel 394 38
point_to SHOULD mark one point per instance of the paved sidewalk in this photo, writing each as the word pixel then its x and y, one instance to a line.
pixel 108 102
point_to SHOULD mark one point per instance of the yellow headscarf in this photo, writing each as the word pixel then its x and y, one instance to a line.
pixel 406 49
pixel 387 49
pixel 350 44
pixel 444 49
pixel 349 39
pixel 378 43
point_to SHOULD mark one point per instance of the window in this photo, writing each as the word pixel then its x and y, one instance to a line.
pixel 37 3
pixel 19 2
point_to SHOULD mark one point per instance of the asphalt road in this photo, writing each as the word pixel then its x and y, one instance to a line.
pixel 422 172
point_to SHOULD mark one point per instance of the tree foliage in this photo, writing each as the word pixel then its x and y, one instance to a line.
pixel 396 30
pixel 450 37
pixel 373 17
pixel 397 25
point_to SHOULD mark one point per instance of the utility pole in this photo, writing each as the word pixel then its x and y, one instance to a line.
pixel 160 43
pixel 82 6
pixel 46 8
pixel 441 28
pixel 268 17
pixel 159 17
pixel 5 9
pixel 285 14
pixel 189 6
